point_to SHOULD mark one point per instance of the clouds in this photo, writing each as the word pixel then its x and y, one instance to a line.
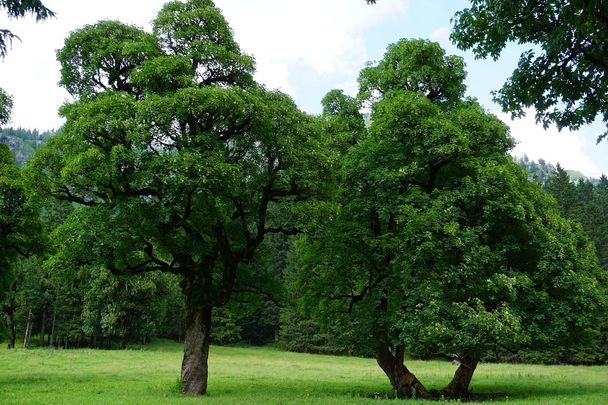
pixel 441 35
pixel 565 147
pixel 302 47
pixel 320 36
pixel 328 37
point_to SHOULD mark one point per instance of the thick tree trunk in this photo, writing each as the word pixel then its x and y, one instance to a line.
pixel 404 382
pixel 459 386
pixel 196 340
pixel 10 325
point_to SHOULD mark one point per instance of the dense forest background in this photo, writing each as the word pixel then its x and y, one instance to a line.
pixel 95 308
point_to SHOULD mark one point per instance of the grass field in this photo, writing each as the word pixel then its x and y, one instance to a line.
pixel 264 376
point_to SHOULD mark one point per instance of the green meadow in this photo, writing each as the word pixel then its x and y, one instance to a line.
pixel 266 375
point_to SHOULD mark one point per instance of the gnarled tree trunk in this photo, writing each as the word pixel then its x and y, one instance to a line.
pixel 404 382
pixel 459 386
pixel 196 343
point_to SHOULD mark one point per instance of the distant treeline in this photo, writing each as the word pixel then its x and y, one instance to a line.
pixel 23 142
pixel 541 170
pixel 95 308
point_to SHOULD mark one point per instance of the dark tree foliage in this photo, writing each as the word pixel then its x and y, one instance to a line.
pixel 178 161
pixel 438 243
pixel 586 203
pixel 21 234
pixel 564 75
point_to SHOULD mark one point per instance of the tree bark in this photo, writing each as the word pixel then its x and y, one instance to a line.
pixel 10 325
pixel 459 386
pixel 404 382
pixel 195 369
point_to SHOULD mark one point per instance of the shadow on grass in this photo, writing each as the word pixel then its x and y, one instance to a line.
pixel 503 393
pixel 472 397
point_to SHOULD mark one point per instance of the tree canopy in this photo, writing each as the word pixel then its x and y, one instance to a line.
pixel 20 230
pixel 439 244
pixel 178 160
pixel 564 75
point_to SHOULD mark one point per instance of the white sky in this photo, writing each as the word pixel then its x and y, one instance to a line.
pixel 303 47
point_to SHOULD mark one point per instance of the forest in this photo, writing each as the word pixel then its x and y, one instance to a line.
pixel 184 201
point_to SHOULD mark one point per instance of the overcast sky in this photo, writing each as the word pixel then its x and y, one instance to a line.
pixel 303 47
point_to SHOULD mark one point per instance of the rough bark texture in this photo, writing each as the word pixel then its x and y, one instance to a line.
pixel 196 345
pixel 404 382
pixel 459 386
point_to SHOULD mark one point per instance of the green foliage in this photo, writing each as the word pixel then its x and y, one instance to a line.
pixel 416 66
pixel 178 162
pixel 132 308
pixel 225 328
pixel 20 229
pixel 439 242
pixel 563 75
pixel 173 172
pixel 300 333
pixel 103 56
pixel 6 106
pixel 198 31
pixel 343 122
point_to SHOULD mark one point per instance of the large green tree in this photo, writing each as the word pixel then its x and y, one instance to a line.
pixel 438 243
pixel 564 74
pixel 178 160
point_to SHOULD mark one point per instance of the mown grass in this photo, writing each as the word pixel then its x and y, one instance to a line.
pixel 265 376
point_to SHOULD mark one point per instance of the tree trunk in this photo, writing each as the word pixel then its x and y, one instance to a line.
pixel 10 325
pixel 122 343
pixel 42 329
pixel 52 337
pixel 28 330
pixel 404 382
pixel 459 386
pixel 196 339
